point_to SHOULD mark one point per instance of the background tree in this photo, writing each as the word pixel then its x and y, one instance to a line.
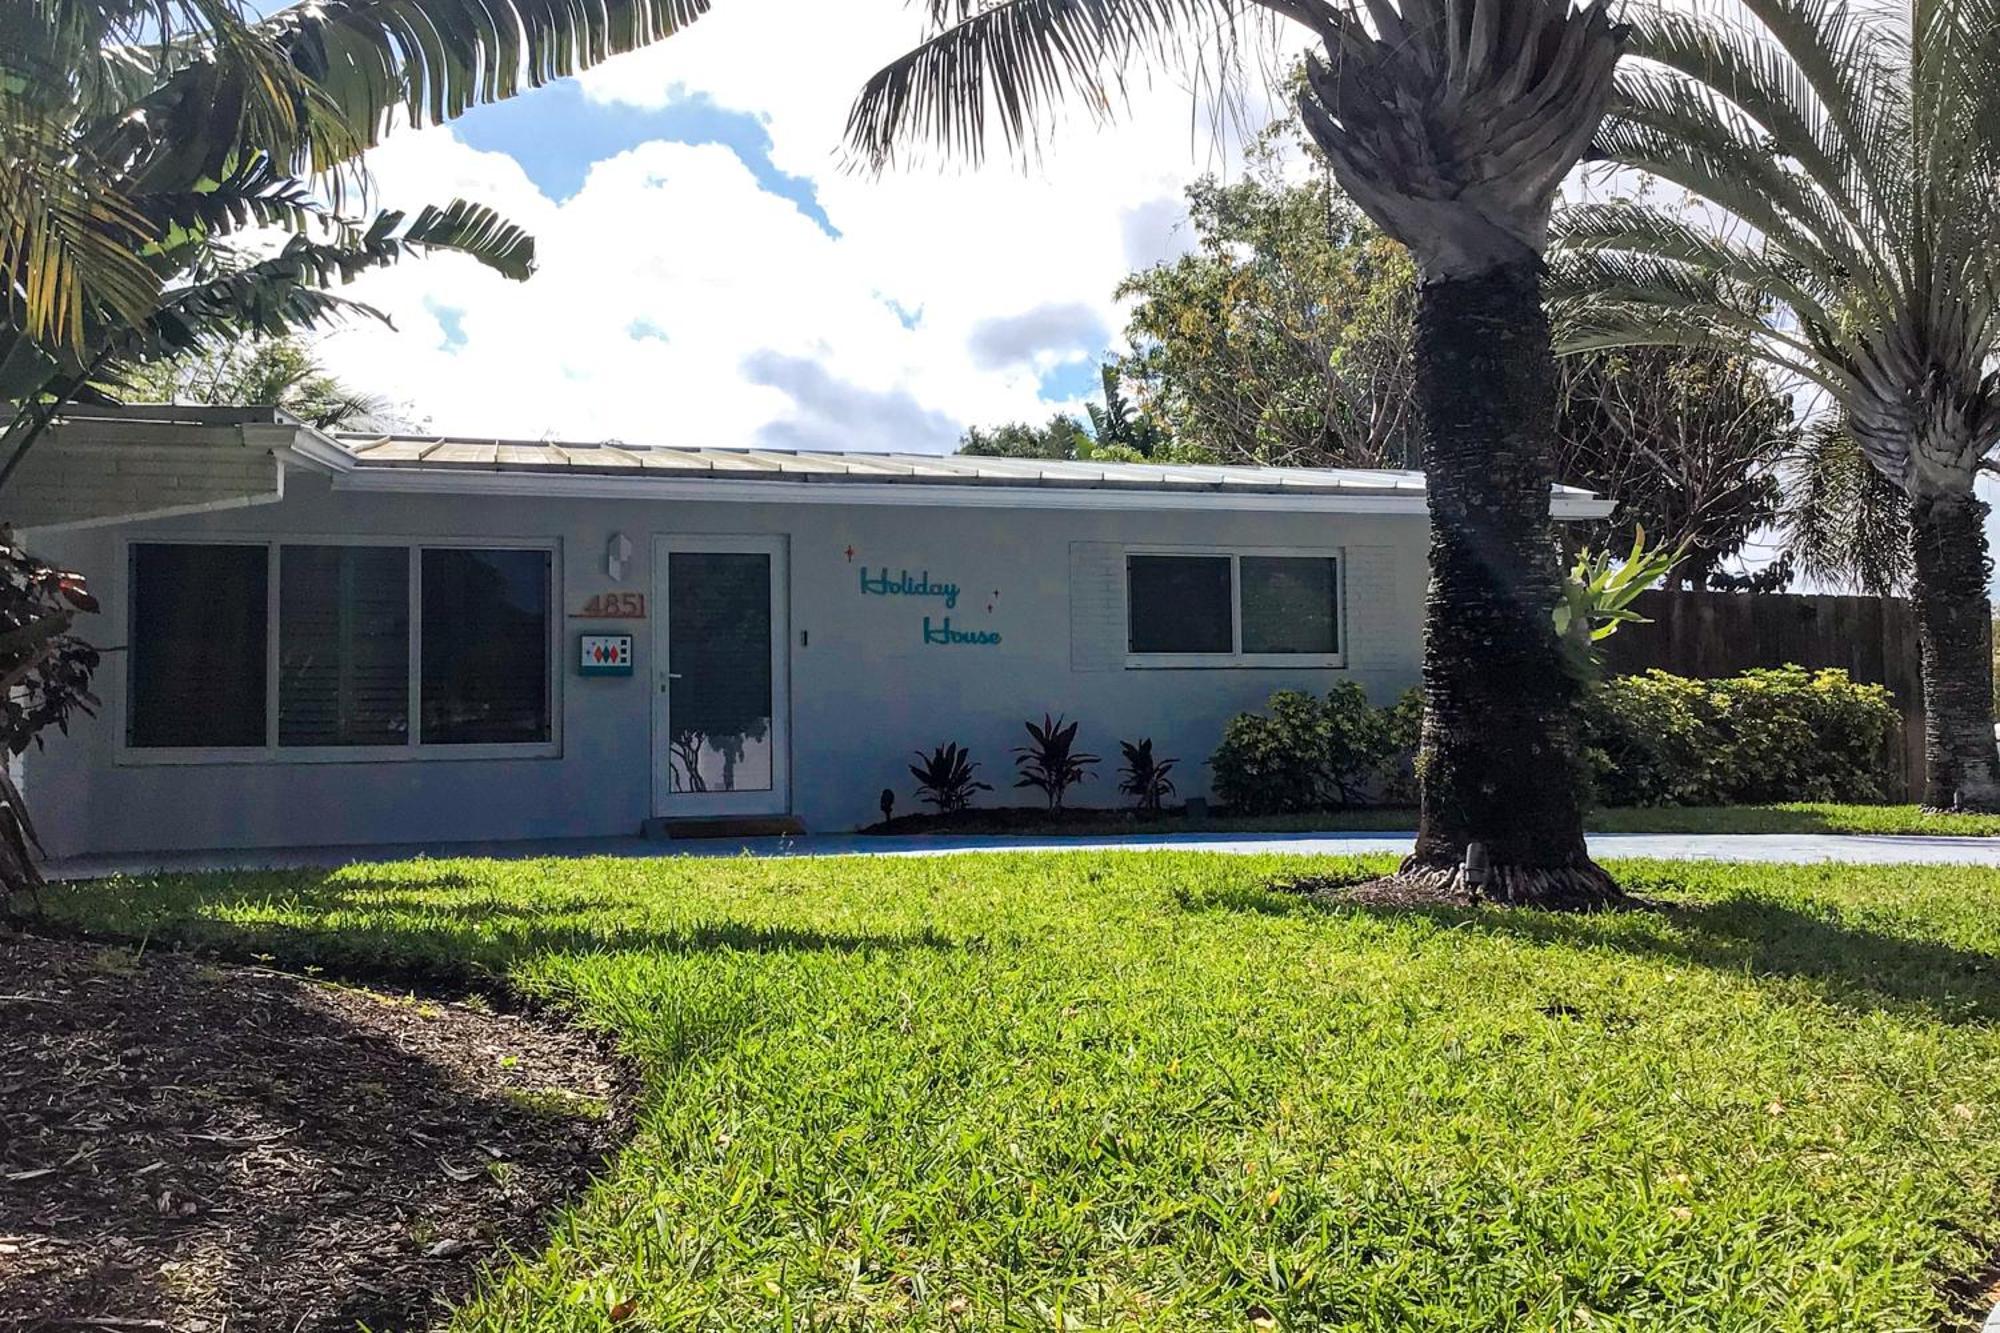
pixel 1451 126
pixel 1060 437
pixel 1691 443
pixel 1285 338
pixel 1843 160
pixel 270 372
pixel 1121 428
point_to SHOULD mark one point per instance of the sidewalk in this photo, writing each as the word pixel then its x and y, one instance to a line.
pixel 1794 848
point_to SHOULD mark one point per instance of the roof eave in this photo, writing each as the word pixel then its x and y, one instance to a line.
pixel 984 493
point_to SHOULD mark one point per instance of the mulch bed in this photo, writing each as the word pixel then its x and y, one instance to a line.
pixel 202 1146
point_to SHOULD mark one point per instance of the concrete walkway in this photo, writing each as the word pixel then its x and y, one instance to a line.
pixel 1794 848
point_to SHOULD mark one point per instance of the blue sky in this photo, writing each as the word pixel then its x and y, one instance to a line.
pixel 557 134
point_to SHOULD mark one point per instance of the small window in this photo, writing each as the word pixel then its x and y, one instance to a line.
pixel 1291 605
pixel 1179 604
pixel 486 627
pixel 198 642
pixel 343 645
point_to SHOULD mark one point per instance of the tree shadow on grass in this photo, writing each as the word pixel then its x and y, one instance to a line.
pixel 1748 934
pixel 1857 966
pixel 390 931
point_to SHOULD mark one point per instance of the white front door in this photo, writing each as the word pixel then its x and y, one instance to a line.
pixel 720 694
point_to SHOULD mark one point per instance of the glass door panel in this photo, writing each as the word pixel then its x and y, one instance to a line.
pixel 719 710
pixel 719 702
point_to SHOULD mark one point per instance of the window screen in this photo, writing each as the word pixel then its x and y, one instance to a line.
pixel 343 645
pixel 485 675
pixel 1179 604
pixel 197 636
pixel 1290 604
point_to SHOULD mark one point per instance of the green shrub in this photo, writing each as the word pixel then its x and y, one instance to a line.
pixel 1304 754
pixel 1769 735
pixel 1405 719
pixel 1772 734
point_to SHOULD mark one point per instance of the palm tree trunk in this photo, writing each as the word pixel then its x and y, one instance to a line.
pixel 1500 761
pixel 1955 630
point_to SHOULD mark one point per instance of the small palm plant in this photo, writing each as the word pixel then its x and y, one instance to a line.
pixel 945 779
pixel 1052 762
pixel 1144 778
pixel 1600 591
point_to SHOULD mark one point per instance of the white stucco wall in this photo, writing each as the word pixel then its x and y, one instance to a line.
pixel 866 690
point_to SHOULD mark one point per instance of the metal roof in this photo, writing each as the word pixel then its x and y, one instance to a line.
pixel 796 465
pixel 454 463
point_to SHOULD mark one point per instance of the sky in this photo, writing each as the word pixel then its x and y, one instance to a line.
pixel 714 271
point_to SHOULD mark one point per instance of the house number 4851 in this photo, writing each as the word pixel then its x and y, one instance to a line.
pixel 615 606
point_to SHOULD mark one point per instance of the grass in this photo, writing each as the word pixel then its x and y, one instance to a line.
pixel 1145 1091
pixel 1793 817
pixel 1797 817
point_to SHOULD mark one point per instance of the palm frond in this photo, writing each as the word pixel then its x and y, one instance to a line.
pixel 69 240
pixel 226 297
pixel 1014 61
pixel 467 228
pixel 1672 128
pixel 1768 88
pixel 1652 231
pixel 1844 523
pixel 435 59
pixel 1605 299
pixel 1849 57
pixel 258 192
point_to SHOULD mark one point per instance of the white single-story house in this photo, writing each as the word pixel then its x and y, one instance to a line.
pixel 321 639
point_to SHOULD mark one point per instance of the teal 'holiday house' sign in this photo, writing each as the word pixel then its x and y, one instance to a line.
pixel 940 632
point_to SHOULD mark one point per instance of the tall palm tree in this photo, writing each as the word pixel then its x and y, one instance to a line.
pixel 1451 123
pixel 1842 163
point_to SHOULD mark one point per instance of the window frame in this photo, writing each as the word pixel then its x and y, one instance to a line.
pixel 414 749
pixel 1236 658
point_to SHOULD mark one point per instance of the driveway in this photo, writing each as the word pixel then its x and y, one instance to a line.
pixel 1795 848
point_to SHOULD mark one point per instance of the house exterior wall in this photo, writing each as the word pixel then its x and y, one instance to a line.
pixel 865 688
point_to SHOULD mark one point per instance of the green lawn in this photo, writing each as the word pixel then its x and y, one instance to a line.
pixel 1141 1090
pixel 1795 817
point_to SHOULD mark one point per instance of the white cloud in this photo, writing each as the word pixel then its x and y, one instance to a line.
pixel 830 413
pixel 676 302
pixel 1044 336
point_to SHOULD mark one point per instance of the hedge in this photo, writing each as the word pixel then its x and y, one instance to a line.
pixel 1772 734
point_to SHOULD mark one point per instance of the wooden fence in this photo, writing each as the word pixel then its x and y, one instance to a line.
pixel 1721 633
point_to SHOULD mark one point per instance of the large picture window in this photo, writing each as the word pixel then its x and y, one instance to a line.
pixel 339 649
pixel 1229 608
